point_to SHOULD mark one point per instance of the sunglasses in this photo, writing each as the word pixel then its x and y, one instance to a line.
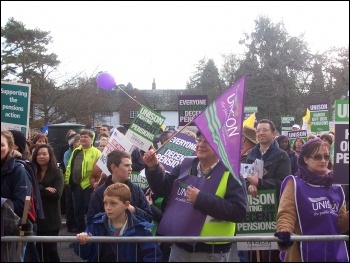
pixel 319 157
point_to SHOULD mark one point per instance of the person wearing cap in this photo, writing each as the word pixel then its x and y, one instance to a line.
pixel 295 127
pixel 203 199
pixel 248 142
pixel 311 204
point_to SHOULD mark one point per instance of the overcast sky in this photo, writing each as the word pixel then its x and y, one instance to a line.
pixel 139 41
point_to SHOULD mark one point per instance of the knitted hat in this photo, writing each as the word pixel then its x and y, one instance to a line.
pixel 20 140
pixel 250 134
pixel 296 126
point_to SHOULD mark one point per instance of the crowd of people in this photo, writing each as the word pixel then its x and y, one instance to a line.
pixel 199 197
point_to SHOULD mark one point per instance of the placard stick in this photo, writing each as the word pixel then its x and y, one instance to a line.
pixel 23 221
pixel 174 135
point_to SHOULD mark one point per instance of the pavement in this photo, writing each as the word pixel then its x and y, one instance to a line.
pixel 65 252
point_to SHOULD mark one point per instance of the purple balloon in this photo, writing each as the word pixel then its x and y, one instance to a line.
pixel 105 81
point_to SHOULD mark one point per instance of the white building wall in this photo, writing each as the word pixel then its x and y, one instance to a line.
pixel 112 120
pixel 172 118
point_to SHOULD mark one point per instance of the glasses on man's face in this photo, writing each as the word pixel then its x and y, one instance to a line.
pixel 262 130
pixel 319 157
pixel 199 141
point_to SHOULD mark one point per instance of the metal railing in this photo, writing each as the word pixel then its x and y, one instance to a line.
pixel 173 239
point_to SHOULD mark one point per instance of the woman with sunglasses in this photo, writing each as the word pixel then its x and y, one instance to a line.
pixel 312 205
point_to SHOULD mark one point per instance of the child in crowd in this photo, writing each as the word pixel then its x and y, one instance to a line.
pixel 117 220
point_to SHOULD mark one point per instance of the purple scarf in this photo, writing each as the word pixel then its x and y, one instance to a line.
pixel 311 178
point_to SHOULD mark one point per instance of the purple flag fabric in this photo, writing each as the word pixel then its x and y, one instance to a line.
pixel 221 125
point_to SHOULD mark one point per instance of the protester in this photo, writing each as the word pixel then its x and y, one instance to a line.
pixel 310 137
pixel 51 184
pixel 296 147
pixel 36 208
pixel 73 141
pixel 40 139
pixel 165 136
pixel 295 127
pixel 78 173
pixel 119 165
pixel 248 142
pixel 117 220
pixel 283 142
pixel 64 148
pixel 15 183
pixel 276 161
pixel 97 177
pixel 312 205
pixel 203 199
pixel 276 168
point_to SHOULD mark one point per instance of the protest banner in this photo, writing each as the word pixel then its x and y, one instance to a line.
pixel 286 124
pixel 117 141
pixel 175 150
pixel 341 142
pixel 319 116
pixel 145 128
pixel 221 125
pixel 15 106
pixel 260 219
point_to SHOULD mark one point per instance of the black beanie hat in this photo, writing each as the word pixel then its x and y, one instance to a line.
pixel 20 140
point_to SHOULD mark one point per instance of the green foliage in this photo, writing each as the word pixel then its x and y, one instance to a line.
pixel 23 53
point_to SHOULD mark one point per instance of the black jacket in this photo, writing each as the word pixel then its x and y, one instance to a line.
pixel 138 200
pixel 276 163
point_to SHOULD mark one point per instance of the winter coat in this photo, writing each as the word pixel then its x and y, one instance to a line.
pixel 138 200
pixel 276 164
pixel 51 201
pixel 119 252
pixel 15 184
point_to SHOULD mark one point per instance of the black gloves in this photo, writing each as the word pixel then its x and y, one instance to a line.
pixel 26 228
pixel 285 236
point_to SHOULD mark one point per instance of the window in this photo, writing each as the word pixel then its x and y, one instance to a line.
pixel 133 114
pixel 107 114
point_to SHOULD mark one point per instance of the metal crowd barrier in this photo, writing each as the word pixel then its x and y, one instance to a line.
pixel 173 239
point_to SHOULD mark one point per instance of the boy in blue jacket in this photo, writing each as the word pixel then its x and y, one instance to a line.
pixel 117 221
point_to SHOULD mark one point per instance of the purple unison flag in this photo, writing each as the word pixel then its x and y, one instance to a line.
pixel 221 125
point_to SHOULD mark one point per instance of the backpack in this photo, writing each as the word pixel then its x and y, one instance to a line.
pixel 36 207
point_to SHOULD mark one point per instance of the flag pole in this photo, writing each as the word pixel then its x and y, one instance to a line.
pixel 174 135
